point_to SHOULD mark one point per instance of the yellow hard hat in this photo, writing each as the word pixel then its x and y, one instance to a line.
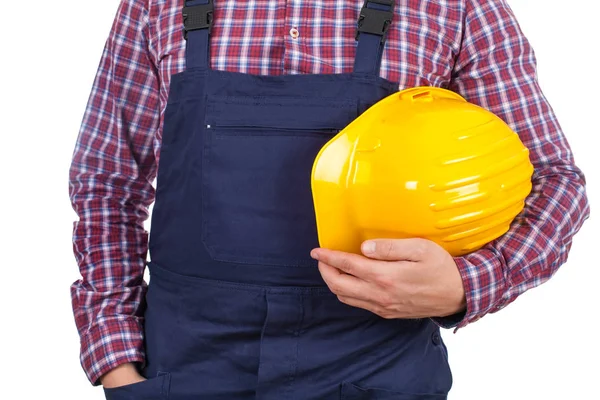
pixel 424 163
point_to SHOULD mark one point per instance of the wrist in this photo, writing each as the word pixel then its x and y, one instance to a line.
pixel 123 374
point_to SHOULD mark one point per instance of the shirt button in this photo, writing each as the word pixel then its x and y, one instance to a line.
pixel 294 33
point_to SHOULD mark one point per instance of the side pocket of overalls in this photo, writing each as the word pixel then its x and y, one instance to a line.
pixel 351 391
pixel 154 388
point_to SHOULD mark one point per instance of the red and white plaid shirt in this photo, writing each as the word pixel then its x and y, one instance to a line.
pixel 474 47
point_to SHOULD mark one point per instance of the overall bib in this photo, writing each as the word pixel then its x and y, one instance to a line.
pixel 236 307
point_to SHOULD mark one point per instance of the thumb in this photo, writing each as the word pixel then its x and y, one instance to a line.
pixel 396 249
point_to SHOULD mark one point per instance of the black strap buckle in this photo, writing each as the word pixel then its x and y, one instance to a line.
pixel 197 17
pixel 375 21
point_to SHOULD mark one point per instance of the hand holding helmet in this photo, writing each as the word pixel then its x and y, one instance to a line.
pixel 421 177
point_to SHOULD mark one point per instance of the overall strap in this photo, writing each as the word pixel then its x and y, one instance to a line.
pixel 373 23
pixel 197 24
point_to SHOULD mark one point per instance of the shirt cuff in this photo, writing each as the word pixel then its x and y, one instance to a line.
pixel 110 343
pixel 484 287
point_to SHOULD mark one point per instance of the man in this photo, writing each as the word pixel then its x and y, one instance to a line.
pixel 238 305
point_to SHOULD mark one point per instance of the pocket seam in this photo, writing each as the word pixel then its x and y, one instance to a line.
pixel 215 115
pixel 165 387
pixel 163 379
pixel 347 387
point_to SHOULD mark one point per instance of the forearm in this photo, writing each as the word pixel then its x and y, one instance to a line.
pixel 531 252
pixel 108 301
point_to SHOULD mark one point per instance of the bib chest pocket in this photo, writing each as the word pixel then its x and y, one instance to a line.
pixel 257 159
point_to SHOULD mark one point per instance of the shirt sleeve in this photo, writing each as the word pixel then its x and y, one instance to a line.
pixel 110 187
pixel 496 69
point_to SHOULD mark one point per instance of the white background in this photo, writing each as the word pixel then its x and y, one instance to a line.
pixel 543 346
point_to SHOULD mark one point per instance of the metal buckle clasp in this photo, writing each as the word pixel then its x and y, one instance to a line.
pixel 199 16
pixel 376 22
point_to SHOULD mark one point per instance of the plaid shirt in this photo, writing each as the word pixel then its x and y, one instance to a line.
pixel 473 47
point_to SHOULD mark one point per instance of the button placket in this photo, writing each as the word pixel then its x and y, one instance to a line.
pixel 293 26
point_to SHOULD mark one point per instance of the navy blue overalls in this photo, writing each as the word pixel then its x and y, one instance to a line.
pixel 236 307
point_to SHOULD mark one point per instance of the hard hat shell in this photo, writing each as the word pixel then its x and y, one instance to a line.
pixel 422 162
